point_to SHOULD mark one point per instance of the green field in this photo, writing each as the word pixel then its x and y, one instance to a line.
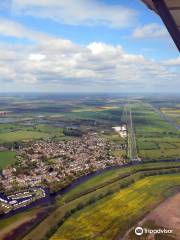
pixel 108 204
pixel 22 135
pixel 13 132
pixel 156 138
pixel 114 215
pixel 96 188
pixel 110 176
pixel 173 113
pixel 111 114
pixel 94 109
pixel 7 158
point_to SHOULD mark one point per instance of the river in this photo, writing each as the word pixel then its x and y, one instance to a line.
pixel 50 198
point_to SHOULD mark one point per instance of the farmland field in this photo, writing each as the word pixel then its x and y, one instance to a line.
pixel 7 158
pixel 111 115
pixel 173 113
pixel 114 174
pixel 99 185
pixel 21 135
pixel 52 137
pixel 89 119
pixel 114 215
pixel 156 138
pixel 13 133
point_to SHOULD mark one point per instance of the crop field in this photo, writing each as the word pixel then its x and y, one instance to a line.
pixel 21 135
pixel 114 174
pixel 95 187
pixel 109 203
pixel 7 158
pixel 173 113
pixel 101 114
pixel 94 109
pixel 156 138
pixel 14 132
pixel 114 215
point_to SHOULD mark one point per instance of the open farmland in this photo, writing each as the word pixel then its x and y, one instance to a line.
pixel 114 175
pixel 156 138
pixel 21 135
pixel 110 115
pixel 97 187
pixel 157 218
pixel 115 214
pixel 54 137
pixel 15 132
pixel 173 113
pixel 7 158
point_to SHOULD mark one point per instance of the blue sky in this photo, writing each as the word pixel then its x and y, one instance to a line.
pixel 85 45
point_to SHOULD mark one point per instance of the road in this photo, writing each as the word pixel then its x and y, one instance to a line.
pixel 166 118
pixel 127 118
pixel 132 138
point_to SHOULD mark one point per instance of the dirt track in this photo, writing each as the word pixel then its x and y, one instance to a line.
pixel 166 215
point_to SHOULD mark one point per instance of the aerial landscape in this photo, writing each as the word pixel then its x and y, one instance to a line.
pixel 89 120
pixel 67 157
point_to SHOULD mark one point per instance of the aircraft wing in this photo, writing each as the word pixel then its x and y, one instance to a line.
pixel 169 11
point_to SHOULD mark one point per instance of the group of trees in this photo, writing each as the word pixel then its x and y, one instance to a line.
pixel 72 132
pixel 12 145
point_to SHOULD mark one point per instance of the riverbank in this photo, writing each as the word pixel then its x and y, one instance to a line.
pixel 51 198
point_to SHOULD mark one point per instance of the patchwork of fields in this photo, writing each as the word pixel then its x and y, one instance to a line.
pixel 156 138
pixel 173 113
pixel 110 203
pixel 97 188
pixel 14 132
pixel 115 214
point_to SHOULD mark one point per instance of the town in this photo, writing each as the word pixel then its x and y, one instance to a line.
pixel 54 165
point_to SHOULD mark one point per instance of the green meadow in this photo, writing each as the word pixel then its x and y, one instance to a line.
pixel 108 114
pixel 7 158
pixel 21 135
pixel 13 132
pixel 173 113
pixel 156 138
pixel 114 175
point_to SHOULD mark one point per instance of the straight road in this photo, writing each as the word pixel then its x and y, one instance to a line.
pixel 127 118
pixel 132 138
pixel 166 118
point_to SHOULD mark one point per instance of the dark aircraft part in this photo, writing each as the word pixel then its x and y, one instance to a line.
pixel 169 11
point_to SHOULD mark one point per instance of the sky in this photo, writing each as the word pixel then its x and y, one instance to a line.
pixel 85 46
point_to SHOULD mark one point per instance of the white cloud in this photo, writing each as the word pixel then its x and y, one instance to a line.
pixel 78 12
pixel 15 29
pixel 173 62
pixel 152 30
pixel 36 57
pixel 94 67
pixel 59 62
